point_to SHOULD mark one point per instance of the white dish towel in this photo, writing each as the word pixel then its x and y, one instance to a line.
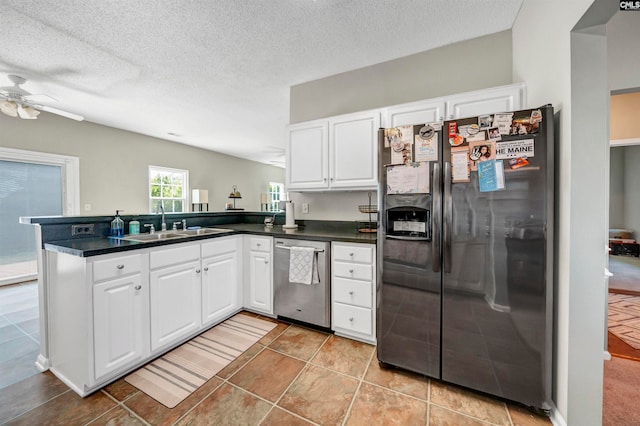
pixel 303 267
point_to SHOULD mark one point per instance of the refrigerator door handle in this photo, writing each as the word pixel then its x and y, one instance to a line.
pixel 448 217
pixel 436 259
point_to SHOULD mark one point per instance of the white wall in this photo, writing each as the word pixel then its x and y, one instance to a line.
pixel 573 76
pixel 425 75
pixel 114 163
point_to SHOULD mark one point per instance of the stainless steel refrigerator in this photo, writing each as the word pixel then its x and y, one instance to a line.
pixel 465 280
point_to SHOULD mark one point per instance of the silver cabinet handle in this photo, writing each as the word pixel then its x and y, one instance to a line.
pixel 258 244
pixel 120 266
pixel 351 293
pixel 351 254
pixel 351 319
pixel 138 287
pixel 197 271
pixel 351 271
pixel 266 261
pixel 206 269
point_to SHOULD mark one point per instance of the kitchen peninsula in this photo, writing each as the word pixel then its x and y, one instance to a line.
pixel 110 305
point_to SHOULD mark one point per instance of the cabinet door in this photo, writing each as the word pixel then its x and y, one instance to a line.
pixel 174 303
pixel 498 99
pixel 307 156
pixel 353 150
pixel 117 323
pixel 260 282
pixel 415 113
pixel 219 287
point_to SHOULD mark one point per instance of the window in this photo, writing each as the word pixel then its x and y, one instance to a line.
pixel 169 188
pixel 276 192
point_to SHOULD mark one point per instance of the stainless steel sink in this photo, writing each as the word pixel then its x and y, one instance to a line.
pixel 168 235
pixel 158 236
pixel 205 231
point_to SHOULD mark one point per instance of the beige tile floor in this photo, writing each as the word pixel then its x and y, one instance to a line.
pixel 292 376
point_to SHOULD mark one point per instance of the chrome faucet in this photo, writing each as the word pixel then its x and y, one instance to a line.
pixel 164 224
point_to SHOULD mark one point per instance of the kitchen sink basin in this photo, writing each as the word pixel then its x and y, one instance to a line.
pixel 158 236
pixel 205 231
pixel 168 235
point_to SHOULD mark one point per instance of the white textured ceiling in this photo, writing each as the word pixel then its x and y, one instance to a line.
pixel 217 73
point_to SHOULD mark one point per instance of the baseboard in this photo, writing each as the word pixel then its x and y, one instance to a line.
pixel 556 418
pixel 69 383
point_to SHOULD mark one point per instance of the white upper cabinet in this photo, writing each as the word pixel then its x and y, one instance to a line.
pixel 420 112
pixel 353 149
pixel 488 101
pixel 338 153
pixel 341 152
pixel 308 156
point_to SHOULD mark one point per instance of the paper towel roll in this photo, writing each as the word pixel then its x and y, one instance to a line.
pixel 290 221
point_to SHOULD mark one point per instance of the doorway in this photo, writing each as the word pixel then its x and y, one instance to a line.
pixel 31 184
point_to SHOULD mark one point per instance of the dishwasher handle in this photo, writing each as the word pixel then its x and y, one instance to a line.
pixel 289 248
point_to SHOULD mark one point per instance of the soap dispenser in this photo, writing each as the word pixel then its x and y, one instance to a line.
pixel 134 227
pixel 117 226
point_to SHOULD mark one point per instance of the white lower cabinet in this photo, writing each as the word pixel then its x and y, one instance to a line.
pixel 353 277
pixel 259 280
pixel 174 303
pixel 118 323
pixel 109 314
pixel 221 279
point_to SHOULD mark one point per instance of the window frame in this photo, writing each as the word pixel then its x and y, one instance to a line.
pixel 273 204
pixel 185 187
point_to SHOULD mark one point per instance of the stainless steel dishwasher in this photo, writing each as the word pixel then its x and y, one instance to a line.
pixel 301 302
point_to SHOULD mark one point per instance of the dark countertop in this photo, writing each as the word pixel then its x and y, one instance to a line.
pixel 86 247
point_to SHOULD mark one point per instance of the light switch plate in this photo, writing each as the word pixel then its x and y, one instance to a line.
pixel 305 208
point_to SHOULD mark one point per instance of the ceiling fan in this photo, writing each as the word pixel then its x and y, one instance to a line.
pixel 17 102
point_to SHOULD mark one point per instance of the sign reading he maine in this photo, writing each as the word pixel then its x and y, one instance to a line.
pixel 514 149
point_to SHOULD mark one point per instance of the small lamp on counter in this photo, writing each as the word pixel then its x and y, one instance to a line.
pixel 264 202
pixel 199 197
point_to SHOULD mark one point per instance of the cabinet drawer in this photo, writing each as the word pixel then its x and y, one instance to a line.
pixel 260 244
pixel 116 267
pixel 352 292
pixel 219 246
pixel 362 254
pixel 352 318
pixel 353 271
pixel 173 256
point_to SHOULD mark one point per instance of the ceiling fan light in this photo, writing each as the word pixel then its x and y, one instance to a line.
pixel 9 108
pixel 27 112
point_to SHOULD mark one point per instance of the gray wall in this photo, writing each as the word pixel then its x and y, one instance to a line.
pixel 474 64
pixel 632 189
pixel 623 33
pixel 114 163
pixel 616 188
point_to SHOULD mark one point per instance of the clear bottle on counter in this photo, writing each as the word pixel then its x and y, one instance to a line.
pixel 117 226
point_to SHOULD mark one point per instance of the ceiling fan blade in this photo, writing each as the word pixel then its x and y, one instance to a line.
pixel 27 113
pixel 59 112
pixel 39 98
